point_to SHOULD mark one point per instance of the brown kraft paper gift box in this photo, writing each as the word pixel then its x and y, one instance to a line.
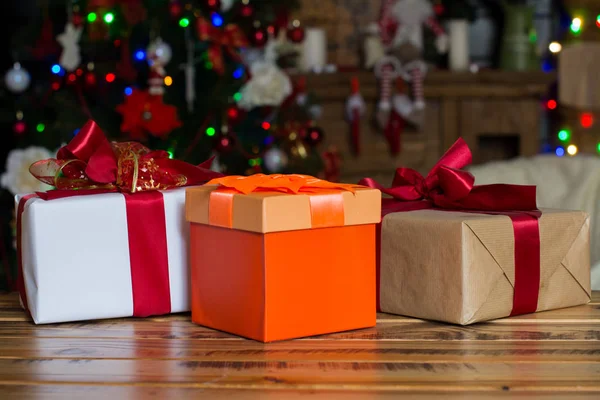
pixel 452 251
pixel 460 267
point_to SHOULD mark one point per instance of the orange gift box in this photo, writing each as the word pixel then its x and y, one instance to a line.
pixel 277 257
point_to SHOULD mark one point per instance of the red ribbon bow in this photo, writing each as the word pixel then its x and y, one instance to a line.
pixel 90 161
pixel 447 187
pixel 230 38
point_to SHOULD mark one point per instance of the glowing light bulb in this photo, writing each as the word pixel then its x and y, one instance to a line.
pixel 216 20
pixel 128 91
pixel 564 135
pixel 555 47
pixel 551 104
pixel 168 81
pixel 572 149
pixel 576 25
pixel 92 17
pixel 40 127
pixel 237 96
pixel 210 131
pixel 140 55
pixel 586 120
pixel 560 151
pixel 184 22
pixel 56 69
pixel 109 18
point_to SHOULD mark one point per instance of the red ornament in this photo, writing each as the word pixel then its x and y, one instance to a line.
pixel 213 5
pixel 19 127
pixel 71 78
pixel 551 104
pixel 234 115
pixel 313 135
pixel 225 144
pixel 110 77
pixel 259 37
pixel 296 34
pixel 246 10
pixel 90 79
pixel 175 9
pixel 77 19
pixel 144 113
pixel 46 44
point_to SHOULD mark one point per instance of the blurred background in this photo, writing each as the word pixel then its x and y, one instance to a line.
pixel 339 89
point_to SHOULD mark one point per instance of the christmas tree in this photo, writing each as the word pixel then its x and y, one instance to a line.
pixel 171 73
pixel 193 77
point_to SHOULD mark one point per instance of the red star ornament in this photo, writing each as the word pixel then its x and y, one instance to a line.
pixel 144 113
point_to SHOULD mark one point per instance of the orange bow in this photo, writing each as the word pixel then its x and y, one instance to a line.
pixel 292 184
pixel 230 38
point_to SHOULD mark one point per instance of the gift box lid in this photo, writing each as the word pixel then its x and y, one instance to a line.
pixel 277 203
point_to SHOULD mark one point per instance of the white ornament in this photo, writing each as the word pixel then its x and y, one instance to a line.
pixel 269 86
pixel 226 4
pixel 17 79
pixel 411 15
pixel 355 103
pixel 70 57
pixel 17 178
pixel 315 111
pixel 275 159
pixel 216 164
pixel 159 52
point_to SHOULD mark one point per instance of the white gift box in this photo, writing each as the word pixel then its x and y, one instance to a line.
pixel 76 257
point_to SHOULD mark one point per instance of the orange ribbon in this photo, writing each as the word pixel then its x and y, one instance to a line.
pixel 326 200
pixel 230 38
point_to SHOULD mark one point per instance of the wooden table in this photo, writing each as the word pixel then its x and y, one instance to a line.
pixel 554 354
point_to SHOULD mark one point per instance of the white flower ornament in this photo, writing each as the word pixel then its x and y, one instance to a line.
pixel 17 178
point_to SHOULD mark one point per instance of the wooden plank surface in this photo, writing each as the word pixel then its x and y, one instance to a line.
pixel 554 354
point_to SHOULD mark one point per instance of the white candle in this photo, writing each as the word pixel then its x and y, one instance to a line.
pixel 459 45
pixel 314 51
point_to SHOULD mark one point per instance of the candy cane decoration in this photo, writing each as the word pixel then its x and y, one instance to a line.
pixel 355 109
pixel 401 109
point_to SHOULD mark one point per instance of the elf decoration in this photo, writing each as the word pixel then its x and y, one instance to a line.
pixel 401 43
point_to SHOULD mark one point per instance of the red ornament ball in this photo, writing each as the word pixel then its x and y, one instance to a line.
pixel 259 37
pixel 273 30
pixel 77 19
pixel 296 34
pixel 225 144
pixel 234 115
pixel 313 136
pixel 90 79
pixel 213 5
pixel 246 10
pixel 19 127
pixel 175 9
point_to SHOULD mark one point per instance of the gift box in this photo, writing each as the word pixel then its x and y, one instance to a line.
pixel 456 252
pixel 282 256
pixel 109 246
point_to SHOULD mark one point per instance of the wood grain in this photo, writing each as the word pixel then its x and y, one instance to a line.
pixel 554 355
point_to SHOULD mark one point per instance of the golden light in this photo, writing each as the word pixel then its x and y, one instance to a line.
pixel 168 80
pixel 555 47
pixel 572 149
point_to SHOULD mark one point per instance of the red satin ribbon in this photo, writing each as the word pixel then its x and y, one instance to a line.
pixel 147 233
pixel 448 188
